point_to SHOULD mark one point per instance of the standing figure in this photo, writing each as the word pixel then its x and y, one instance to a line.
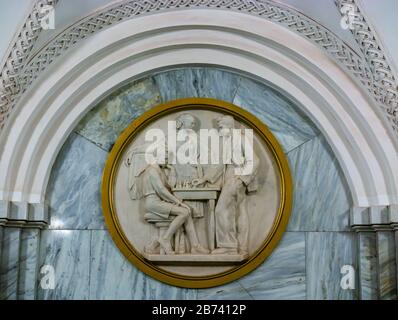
pixel 184 173
pixel 232 223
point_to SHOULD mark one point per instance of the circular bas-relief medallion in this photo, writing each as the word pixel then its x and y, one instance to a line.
pixel 196 192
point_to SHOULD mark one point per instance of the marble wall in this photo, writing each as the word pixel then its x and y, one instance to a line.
pixel 306 263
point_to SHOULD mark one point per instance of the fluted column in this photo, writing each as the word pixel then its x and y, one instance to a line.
pixel 20 225
pixel 377 251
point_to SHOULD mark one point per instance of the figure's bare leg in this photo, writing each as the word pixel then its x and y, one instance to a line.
pixel 182 214
pixel 191 232
pixel 196 248
pixel 182 217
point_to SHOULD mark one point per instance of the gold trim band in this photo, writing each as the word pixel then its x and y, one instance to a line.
pixel 108 204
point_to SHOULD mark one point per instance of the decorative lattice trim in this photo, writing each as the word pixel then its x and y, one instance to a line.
pixel 372 71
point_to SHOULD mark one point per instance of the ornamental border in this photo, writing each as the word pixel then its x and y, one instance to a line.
pixel 372 71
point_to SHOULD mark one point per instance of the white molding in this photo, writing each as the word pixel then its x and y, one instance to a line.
pixel 383 80
pixel 17 55
pixel 23 214
pixel 51 108
pixel 12 87
pixel 375 218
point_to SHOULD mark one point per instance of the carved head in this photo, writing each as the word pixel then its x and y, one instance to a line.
pixel 185 121
pixel 225 122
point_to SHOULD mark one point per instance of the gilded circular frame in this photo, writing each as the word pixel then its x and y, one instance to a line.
pixel 280 222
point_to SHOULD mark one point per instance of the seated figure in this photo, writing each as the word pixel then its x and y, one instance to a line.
pixel 151 184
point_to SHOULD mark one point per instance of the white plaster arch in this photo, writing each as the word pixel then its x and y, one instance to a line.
pixel 51 108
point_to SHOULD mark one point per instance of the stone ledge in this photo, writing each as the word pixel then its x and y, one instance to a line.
pixel 377 218
pixel 196 259
pixel 23 214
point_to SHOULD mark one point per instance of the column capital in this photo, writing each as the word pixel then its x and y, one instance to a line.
pixel 375 218
pixel 23 214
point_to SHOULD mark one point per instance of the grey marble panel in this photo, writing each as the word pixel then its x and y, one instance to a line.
pixel 106 121
pixel 68 252
pixel 326 253
pixel 368 278
pixel 28 264
pixel 197 82
pixel 9 263
pixel 74 188
pixel 387 265
pixel 114 277
pixel 89 265
pixel 290 126
pixel 321 197
pixel 281 276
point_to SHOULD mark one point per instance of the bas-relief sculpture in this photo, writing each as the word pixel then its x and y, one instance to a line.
pixel 197 219
pixel 283 275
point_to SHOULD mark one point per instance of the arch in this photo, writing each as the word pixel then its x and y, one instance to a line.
pixel 51 108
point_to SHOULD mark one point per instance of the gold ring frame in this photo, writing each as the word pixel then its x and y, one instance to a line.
pixel 279 224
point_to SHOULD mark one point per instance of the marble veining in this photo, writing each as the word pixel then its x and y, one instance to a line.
pixel 112 276
pixel 197 82
pixel 281 276
pixel 326 253
pixel 28 263
pixel 74 188
pixel 68 252
pixel 321 196
pixel 106 121
pixel 290 126
pixel 368 280
pixel 90 266
pixel 387 265
pixel 9 263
